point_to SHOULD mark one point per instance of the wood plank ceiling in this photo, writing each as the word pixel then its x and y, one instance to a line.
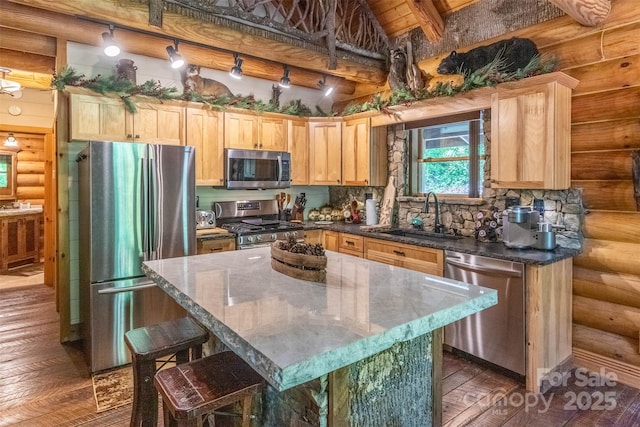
pixel 345 40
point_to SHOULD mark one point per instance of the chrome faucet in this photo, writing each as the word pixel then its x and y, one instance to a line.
pixel 437 227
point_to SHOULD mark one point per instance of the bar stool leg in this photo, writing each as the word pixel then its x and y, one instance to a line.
pixel 145 408
pixel 246 411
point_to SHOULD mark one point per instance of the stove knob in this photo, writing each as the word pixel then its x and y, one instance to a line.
pixel 294 233
pixel 250 239
pixel 274 236
pixel 258 237
pixel 286 234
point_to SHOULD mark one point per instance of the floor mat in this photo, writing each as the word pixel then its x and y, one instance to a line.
pixel 113 388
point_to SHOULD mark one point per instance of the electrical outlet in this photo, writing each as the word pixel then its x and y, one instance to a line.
pixel 538 205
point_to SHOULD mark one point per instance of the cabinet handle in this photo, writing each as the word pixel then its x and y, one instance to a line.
pixel 349 242
pixel 366 181
pixel 129 136
pixel 137 136
pixel 255 145
pixel 398 252
pixel 338 181
pixel 215 249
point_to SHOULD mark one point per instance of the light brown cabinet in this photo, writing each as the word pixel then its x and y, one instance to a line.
pixel 207 246
pixel 19 240
pixel 531 137
pixel 351 244
pixel 426 260
pixel 298 146
pixel 313 237
pixel 325 152
pixel 331 240
pixel 204 132
pixel 364 153
pixel 250 132
pixel 107 119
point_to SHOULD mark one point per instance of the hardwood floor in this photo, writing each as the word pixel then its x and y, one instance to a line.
pixel 45 383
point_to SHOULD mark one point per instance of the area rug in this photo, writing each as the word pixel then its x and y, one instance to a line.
pixel 113 388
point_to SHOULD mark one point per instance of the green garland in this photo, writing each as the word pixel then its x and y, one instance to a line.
pixel 489 75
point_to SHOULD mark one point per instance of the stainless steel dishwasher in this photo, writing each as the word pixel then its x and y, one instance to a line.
pixel 496 334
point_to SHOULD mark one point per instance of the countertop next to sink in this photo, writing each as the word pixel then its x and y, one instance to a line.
pixel 464 244
pixel 20 212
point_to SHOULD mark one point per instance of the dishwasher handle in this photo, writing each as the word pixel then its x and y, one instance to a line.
pixel 481 269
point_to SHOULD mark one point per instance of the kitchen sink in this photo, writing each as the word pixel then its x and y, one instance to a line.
pixel 420 234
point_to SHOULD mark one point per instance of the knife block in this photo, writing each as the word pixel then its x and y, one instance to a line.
pixel 297 213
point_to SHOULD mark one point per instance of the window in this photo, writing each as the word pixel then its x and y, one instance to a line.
pixel 448 156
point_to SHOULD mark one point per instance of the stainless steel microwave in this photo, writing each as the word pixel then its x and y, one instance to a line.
pixel 256 169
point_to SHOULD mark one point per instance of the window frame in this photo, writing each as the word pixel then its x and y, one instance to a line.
pixel 9 193
pixel 474 158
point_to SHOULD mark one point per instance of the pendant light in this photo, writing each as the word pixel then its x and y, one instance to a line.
pixel 176 59
pixel 285 82
pixel 236 70
pixel 111 48
pixel 8 86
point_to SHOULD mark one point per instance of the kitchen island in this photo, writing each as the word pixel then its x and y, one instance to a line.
pixel 356 350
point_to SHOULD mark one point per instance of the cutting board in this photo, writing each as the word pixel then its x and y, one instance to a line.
pixel 217 230
pixel 388 201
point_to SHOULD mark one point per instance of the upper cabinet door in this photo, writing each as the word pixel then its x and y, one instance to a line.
pixel 272 133
pixel 240 131
pixel 325 153
pixel 298 146
pixel 98 118
pixel 158 124
pixel 204 131
pixel 531 137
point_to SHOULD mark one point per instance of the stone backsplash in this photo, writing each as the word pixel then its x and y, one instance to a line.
pixel 561 207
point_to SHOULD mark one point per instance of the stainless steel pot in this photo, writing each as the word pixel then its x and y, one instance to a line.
pixel 519 214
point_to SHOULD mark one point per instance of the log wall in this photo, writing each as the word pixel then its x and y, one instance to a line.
pixel 605 136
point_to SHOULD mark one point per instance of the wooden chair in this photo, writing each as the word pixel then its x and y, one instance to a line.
pixel 151 343
pixel 197 388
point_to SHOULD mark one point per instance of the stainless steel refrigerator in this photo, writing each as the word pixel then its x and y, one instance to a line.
pixel 136 203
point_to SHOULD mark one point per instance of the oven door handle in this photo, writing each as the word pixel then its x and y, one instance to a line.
pixel 256 245
pixel 481 269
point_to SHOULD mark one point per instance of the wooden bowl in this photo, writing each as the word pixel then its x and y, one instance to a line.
pixel 299 266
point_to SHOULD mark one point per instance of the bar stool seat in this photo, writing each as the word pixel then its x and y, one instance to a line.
pixel 148 344
pixel 197 388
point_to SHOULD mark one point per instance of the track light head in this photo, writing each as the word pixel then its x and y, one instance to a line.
pixel 236 70
pixel 323 86
pixel 285 82
pixel 111 48
pixel 176 59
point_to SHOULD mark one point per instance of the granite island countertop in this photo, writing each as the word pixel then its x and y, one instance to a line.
pixel 292 331
pixel 464 244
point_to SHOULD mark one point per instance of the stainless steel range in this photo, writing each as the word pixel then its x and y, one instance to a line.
pixel 255 223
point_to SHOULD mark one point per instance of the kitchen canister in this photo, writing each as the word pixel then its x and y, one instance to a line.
pixel 370 212
pixel 126 70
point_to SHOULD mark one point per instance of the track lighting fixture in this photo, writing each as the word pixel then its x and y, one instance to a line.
pixel 236 70
pixel 8 86
pixel 174 56
pixel 111 48
pixel 285 82
pixel 323 86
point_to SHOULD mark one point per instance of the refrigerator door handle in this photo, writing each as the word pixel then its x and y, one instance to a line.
pixel 144 208
pixel 127 289
pixel 154 204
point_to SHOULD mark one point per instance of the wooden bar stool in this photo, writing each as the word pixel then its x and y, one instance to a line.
pixel 147 345
pixel 197 388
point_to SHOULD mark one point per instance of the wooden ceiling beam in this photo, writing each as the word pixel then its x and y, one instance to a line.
pixel 428 17
pixel 66 27
pixel 27 61
pixel 135 15
pixel 587 12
